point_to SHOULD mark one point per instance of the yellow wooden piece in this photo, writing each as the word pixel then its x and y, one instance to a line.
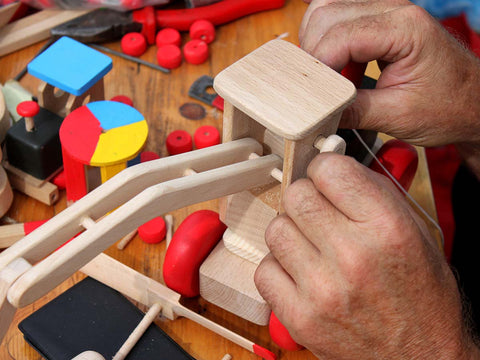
pixel 120 144
pixel 106 172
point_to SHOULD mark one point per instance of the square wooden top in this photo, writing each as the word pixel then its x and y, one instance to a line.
pixel 285 89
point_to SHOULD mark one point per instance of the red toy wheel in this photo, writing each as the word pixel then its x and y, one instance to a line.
pixel 123 99
pixel 400 159
pixel 179 141
pixel 168 36
pixel 153 231
pixel 133 44
pixel 193 241
pixel 281 336
pixel 196 51
pixel 169 56
pixel 206 136
pixel 203 30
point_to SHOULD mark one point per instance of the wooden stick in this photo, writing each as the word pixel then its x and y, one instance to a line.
pixel 115 192
pixel 138 332
pixel 126 239
pixel 33 28
pixel 148 292
pixel 169 222
pixel 161 198
pixel 227 357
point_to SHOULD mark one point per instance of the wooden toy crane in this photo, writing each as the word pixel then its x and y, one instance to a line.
pixel 280 104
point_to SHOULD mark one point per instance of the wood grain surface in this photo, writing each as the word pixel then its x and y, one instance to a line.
pixel 159 97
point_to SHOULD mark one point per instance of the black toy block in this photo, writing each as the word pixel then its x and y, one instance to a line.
pixel 37 152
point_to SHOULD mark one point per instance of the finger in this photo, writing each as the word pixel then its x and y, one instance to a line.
pixel 313 214
pixel 291 249
pixel 360 40
pixel 359 193
pixel 274 284
pixel 323 16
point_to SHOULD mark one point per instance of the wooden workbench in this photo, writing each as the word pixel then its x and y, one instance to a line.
pixel 158 97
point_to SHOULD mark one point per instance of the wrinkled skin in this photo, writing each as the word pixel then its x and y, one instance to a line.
pixel 353 272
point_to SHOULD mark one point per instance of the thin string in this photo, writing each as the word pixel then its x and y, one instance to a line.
pixel 405 192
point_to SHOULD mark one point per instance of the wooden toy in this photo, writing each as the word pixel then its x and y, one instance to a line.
pixel 5 121
pixel 14 94
pixel 10 234
pixel 38 152
pixel 153 231
pixel 104 134
pixel 279 102
pixel 34 28
pixel 6 194
pixel 64 66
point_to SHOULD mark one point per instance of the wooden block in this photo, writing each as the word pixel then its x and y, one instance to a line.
pixel 14 94
pixel 46 192
pixel 292 101
pixel 247 218
pixel 7 11
pixel 233 288
pixel 33 28
pixel 6 194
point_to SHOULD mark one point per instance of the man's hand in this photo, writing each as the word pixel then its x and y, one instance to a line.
pixel 427 93
pixel 354 274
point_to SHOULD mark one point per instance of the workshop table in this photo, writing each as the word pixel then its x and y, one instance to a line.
pixel 159 97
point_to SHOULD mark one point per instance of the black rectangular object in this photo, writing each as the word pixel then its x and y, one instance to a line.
pixel 93 316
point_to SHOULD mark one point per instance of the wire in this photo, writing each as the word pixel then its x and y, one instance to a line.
pixel 405 192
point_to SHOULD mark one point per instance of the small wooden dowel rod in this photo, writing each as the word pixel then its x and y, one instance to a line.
pixel 169 222
pixel 149 317
pixel 277 174
pixel 87 222
pixel 126 239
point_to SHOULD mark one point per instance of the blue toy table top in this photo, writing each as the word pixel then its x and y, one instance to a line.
pixel 70 66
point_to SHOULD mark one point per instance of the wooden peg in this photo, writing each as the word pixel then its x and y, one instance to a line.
pixel 149 317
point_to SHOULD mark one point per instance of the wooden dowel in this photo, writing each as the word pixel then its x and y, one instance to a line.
pixel 126 239
pixel 138 332
pixel 169 222
pixel 87 222
pixel 277 174
pixel 227 357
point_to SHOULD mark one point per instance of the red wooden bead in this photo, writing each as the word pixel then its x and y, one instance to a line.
pixel 169 56
pixel 202 30
pixel 148 156
pixel 196 51
pixel 133 44
pixel 28 108
pixel 179 141
pixel 206 136
pixel 168 36
pixel 122 99
pixel 153 231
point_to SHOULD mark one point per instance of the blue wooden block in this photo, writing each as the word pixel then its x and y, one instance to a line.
pixel 70 66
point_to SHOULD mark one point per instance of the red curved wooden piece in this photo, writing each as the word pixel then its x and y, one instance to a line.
pixel 193 241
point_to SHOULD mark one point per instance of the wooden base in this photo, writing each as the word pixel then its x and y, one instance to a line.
pixel 233 288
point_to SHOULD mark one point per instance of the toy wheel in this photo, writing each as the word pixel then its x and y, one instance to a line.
pixel 193 241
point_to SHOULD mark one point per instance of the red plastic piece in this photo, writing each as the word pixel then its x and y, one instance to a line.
pixel 196 51
pixel 169 56
pixel 60 180
pixel 203 30
pixel 28 227
pixel 400 159
pixel 148 156
pixel 168 36
pixel 146 17
pixel 178 142
pixel 133 44
pixel 281 336
pixel 263 353
pixel 206 136
pixel 354 72
pixel 153 231
pixel 219 103
pixel 194 239
pixel 123 99
pixel 28 108
pixel 217 13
